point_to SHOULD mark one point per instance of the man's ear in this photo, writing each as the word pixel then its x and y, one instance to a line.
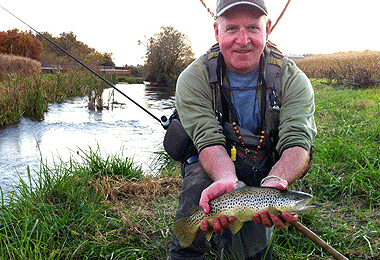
pixel 216 30
pixel 269 27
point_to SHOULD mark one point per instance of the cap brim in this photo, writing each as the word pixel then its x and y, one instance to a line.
pixel 240 3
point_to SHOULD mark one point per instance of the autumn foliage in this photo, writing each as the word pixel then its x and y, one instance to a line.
pixel 168 53
pixel 20 44
pixel 29 45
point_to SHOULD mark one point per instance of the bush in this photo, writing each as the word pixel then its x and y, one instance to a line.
pixel 11 64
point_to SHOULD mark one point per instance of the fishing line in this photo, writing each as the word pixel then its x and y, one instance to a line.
pixel 282 13
pixel 163 121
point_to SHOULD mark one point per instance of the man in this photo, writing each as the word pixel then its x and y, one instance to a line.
pixel 248 113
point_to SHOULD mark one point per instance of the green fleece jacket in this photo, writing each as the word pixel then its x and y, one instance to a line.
pixel 195 105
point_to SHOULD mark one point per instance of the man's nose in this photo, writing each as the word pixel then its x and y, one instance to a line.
pixel 243 38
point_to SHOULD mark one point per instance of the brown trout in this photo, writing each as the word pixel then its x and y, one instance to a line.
pixel 242 203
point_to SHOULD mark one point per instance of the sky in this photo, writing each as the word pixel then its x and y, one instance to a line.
pixel 308 26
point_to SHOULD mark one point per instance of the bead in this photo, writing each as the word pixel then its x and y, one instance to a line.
pixel 233 123
pixel 242 143
pixel 261 140
pixel 259 147
pixel 237 132
pixel 262 137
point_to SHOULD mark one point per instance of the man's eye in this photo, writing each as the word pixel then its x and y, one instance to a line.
pixel 254 28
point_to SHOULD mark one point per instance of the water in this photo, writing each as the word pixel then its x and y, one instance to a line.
pixel 71 127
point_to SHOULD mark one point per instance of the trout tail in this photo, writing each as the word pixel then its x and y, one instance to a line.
pixel 185 231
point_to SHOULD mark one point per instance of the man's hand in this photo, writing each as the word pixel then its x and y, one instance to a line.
pixel 269 220
pixel 214 190
pixel 219 167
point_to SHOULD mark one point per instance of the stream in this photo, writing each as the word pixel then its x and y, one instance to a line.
pixel 70 128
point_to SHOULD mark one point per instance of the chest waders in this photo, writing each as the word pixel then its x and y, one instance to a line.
pixel 253 239
pixel 254 154
pixel 257 156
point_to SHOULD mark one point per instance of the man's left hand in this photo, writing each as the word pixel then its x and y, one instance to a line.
pixel 269 220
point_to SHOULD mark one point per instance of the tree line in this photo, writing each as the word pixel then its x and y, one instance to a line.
pixel 168 52
pixel 27 44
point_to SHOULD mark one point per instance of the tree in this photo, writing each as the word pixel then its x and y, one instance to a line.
pixel 21 44
pixel 68 41
pixel 168 53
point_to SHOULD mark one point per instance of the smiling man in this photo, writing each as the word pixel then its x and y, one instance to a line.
pixel 249 112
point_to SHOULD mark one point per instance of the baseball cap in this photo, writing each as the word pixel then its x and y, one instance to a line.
pixel 224 5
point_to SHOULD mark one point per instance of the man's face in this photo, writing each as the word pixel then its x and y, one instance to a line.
pixel 242 34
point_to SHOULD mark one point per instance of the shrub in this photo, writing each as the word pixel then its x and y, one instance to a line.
pixel 11 64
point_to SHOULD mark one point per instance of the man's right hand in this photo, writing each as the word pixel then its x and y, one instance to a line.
pixel 219 167
pixel 216 189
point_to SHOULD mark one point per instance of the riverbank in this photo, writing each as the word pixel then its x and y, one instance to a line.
pixel 30 96
pixel 104 208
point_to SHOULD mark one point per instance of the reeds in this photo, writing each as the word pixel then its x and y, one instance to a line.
pixel 358 69
pixel 24 91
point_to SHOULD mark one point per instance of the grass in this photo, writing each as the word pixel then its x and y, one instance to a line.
pixel 85 211
pixel 11 64
pixel 131 79
pixel 102 207
pixel 345 177
pixel 25 91
pixel 30 96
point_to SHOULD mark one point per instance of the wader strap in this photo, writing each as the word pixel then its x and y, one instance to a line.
pixel 212 60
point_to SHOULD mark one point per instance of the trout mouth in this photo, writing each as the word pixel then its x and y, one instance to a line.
pixel 301 207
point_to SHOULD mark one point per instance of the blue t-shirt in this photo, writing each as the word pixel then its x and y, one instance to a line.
pixel 244 98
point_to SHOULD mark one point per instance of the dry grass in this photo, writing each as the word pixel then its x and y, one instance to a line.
pixel 11 64
pixel 120 188
pixel 145 210
pixel 360 69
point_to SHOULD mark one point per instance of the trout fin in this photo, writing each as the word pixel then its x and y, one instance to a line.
pixel 273 211
pixel 236 226
pixel 184 231
pixel 239 184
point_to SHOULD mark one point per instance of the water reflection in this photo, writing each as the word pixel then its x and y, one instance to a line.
pixel 71 126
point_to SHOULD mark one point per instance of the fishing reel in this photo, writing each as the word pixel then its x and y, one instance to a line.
pixel 165 122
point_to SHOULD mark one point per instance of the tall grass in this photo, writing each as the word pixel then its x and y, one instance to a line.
pixel 30 96
pixel 24 91
pixel 11 64
pixel 62 214
pixel 359 69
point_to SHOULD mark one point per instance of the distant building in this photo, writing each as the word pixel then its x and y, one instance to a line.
pixel 119 71
pixel 295 57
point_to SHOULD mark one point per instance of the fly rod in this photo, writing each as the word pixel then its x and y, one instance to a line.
pixel 319 241
pixel 163 121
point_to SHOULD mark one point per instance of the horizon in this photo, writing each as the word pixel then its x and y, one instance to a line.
pixel 308 27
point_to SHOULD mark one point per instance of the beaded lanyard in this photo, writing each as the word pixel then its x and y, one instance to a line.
pixel 247 151
pixel 227 97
